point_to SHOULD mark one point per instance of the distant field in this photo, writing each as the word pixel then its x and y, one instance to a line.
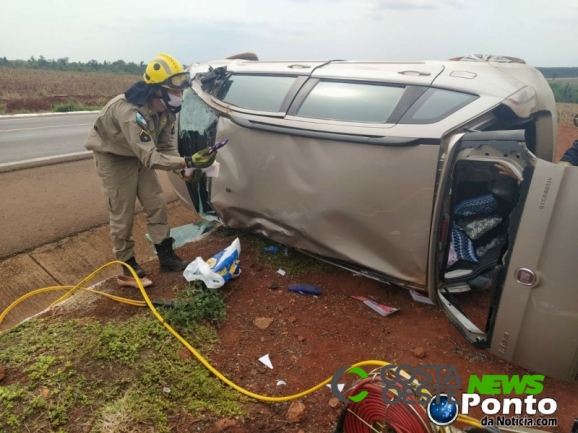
pixel 566 113
pixel 573 80
pixel 36 83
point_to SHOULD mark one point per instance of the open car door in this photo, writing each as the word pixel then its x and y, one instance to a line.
pixel 505 230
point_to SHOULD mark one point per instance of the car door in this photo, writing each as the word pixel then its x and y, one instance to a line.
pixel 536 322
pixel 532 292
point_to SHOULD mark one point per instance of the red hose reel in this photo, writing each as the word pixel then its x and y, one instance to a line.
pixel 373 414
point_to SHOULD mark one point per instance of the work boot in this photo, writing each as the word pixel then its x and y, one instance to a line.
pixel 168 260
pixel 133 264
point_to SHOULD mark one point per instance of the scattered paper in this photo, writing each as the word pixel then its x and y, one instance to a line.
pixel 167 390
pixel 212 171
pixel 340 386
pixel 281 272
pixel 281 382
pixel 265 360
pixel 420 298
pixel 381 309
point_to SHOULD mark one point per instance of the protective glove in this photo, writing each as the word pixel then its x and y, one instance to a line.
pixel 195 177
pixel 200 160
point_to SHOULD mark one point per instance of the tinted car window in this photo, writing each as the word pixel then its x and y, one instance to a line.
pixel 354 102
pixel 435 105
pixel 255 92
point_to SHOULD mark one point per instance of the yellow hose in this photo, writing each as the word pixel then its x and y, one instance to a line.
pixel 147 302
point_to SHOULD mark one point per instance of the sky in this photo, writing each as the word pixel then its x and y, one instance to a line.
pixel 542 32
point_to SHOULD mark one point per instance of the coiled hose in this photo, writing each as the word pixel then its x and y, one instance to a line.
pixel 147 302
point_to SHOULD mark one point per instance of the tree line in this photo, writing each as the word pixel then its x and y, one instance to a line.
pixel 563 92
pixel 554 73
pixel 63 64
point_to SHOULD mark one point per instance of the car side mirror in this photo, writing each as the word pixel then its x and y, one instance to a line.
pixel 576 120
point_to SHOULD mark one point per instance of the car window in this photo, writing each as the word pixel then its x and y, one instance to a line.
pixel 255 92
pixel 353 102
pixel 435 105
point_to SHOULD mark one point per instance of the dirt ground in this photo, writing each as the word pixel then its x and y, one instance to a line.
pixel 566 136
pixel 310 338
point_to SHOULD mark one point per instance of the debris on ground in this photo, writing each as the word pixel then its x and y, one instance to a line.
pixel 419 352
pixel 225 423
pixel 381 309
pixel 273 286
pixel 281 272
pixel 301 339
pixel 219 269
pixel 281 382
pixel 296 412
pixel 304 289
pixel 334 402
pixel 420 298
pixel 262 322
pixel 184 353
pixel 2 373
pixel 267 361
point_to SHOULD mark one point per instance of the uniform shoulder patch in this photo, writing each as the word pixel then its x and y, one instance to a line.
pixel 140 119
pixel 144 136
pixel 173 129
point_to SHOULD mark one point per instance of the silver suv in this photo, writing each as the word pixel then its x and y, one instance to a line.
pixel 435 176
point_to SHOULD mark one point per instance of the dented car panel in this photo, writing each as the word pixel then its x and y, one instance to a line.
pixel 322 196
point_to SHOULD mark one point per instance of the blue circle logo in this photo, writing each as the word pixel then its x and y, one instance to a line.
pixel 442 413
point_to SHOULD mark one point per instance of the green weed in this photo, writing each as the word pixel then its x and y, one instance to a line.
pixel 41 93
pixel 126 374
pixel 73 106
pixel 2 108
pixel 195 304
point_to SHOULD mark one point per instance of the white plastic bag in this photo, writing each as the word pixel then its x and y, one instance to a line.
pixel 219 269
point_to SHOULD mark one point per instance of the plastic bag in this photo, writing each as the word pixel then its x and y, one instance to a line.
pixel 219 269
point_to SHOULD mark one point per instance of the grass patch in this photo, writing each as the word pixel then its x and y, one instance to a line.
pixel 116 377
pixel 22 111
pixel 195 304
pixel 2 108
pixel 73 106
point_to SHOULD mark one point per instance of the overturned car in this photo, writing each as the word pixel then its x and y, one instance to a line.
pixel 434 176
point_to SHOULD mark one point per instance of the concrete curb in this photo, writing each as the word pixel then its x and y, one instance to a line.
pixel 48 160
pixel 47 114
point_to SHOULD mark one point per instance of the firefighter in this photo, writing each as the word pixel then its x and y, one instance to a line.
pixel 570 157
pixel 133 137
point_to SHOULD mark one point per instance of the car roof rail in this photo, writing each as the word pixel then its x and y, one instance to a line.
pixel 488 58
pixel 244 56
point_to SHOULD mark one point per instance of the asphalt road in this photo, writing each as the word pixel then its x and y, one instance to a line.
pixel 23 138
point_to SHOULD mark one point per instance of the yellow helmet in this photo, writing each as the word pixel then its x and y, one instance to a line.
pixel 166 71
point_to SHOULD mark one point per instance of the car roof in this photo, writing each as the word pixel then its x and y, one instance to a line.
pixel 480 77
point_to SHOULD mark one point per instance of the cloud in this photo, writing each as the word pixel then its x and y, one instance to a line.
pixel 380 5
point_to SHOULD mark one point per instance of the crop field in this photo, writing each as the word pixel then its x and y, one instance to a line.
pixel 36 83
pixel 566 113
pixel 570 80
pixel 32 90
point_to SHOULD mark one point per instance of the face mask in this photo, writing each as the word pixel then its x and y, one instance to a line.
pixel 174 100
